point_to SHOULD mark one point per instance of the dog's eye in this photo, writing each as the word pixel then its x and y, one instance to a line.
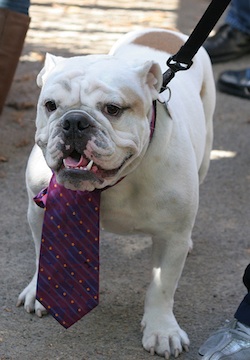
pixel 112 110
pixel 50 106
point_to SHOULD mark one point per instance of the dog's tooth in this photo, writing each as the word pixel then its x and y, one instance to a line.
pixel 90 164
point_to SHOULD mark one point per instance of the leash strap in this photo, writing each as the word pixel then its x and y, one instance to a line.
pixel 182 60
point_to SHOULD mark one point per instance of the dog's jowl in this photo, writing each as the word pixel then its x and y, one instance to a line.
pixel 94 120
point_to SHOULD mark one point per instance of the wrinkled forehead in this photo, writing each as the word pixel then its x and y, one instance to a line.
pixel 90 74
pixel 105 68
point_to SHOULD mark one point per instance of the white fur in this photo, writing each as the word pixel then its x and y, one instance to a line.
pixel 160 193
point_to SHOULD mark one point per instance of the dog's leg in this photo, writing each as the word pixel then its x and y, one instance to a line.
pixel 28 295
pixel 37 177
pixel 161 332
pixel 208 98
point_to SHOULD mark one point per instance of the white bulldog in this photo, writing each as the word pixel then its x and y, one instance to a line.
pixel 93 128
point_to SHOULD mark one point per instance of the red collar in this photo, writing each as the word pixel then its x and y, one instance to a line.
pixel 153 120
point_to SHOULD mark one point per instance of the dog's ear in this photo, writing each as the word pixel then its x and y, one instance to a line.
pixel 49 64
pixel 152 76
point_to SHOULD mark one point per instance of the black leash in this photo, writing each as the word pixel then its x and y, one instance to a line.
pixel 182 60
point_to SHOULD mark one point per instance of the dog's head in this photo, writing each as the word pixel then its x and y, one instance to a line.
pixel 93 117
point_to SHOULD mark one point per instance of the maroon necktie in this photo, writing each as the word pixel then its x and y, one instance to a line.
pixel 68 277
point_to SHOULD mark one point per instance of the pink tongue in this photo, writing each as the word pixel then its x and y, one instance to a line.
pixel 69 161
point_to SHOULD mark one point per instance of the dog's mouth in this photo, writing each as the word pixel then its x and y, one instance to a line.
pixel 79 165
pixel 77 161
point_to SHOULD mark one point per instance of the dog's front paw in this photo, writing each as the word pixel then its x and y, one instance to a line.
pixel 163 336
pixel 27 298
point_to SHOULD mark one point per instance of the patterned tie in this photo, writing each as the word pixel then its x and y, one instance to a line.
pixel 68 277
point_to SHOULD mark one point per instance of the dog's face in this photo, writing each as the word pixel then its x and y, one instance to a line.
pixel 93 117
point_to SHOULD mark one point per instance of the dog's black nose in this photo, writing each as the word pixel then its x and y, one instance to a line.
pixel 75 123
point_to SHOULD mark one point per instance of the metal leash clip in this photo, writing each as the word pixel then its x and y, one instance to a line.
pixel 174 66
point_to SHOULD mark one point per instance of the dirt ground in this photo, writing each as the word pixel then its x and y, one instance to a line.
pixel 210 288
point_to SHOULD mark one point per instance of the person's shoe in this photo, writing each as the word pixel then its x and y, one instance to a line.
pixel 235 83
pixel 229 343
pixel 228 43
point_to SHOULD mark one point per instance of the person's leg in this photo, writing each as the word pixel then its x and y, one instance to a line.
pixel 238 15
pixel 243 312
pixel 14 24
pixel 20 6
pixel 233 341
pixel 232 39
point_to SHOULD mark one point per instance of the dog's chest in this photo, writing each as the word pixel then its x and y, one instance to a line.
pixel 125 212
pixel 119 213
